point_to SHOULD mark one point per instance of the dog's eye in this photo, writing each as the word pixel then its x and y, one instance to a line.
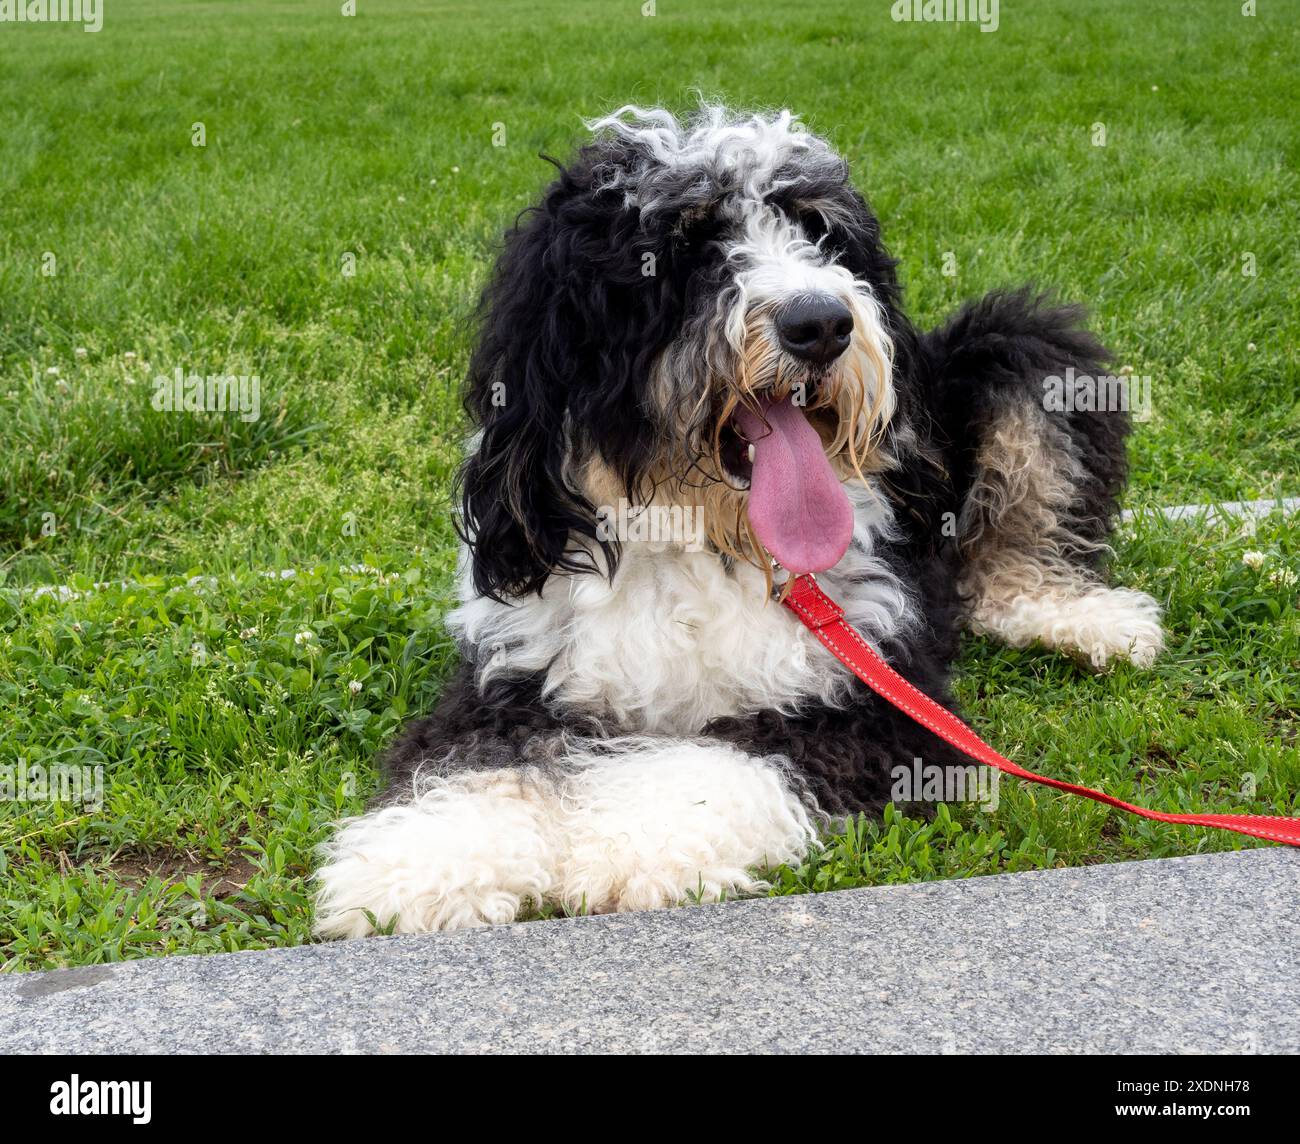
pixel 812 224
pixel 696 233
pixel 808 219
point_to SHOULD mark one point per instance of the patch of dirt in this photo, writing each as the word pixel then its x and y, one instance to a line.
pixel 1286 722
pixel 217 881
pixel 1159 759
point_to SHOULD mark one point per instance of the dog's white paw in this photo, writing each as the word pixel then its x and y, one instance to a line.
pixel 1096 625
pixel 658 822
pixel 625 824
pixel 467 852
pixel 1118 623
pixel 629 824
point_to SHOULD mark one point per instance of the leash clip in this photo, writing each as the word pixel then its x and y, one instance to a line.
pixel 778 583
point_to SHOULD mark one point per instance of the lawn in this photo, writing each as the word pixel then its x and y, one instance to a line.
pixel 238 613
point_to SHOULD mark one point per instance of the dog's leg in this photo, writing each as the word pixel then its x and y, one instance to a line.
pixel 463 833
pixel 467 850
pixel 627 824
pixel 1029 568
pixel 650 822
pixel 491 807
pixel 1039 483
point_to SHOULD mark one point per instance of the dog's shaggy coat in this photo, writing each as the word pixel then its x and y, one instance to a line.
pixel 637 723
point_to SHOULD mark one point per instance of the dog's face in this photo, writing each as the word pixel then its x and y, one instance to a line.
pixel 696 315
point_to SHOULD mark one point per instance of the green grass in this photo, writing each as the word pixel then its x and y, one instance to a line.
pixel 228 741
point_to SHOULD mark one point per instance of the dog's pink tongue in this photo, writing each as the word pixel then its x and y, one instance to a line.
pixel 796 503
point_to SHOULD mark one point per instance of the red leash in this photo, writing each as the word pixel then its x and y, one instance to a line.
pixel 825 618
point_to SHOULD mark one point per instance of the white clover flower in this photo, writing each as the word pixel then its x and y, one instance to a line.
pixel 1283 577
pixel 247 633
pixel 80 351
pixel 52 371
pixel 355 687
pixel 1253 559
pixel 304 637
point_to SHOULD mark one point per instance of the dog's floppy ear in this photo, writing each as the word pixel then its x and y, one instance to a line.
pixel 863 253
pixel 567 324
pixel 517 506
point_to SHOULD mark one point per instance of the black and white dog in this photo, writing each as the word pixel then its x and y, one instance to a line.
pixel 698 326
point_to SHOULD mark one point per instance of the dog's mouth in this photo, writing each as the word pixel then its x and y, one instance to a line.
pixel 736 455
pixel 736 451
pixel 796 505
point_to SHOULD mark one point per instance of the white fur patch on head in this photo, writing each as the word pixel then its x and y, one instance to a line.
pixel 775 260
pixel 747 156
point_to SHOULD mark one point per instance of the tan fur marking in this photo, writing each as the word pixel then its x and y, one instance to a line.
pixel 1022 571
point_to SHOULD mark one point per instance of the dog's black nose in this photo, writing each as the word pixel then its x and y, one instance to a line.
pixel 815 328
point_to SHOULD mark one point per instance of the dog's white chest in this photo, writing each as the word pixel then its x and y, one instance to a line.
pixel 675 641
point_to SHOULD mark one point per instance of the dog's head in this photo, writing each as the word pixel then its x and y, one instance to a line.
pixel 698 315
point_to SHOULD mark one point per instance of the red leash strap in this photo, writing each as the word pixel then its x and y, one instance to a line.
pixel 825 618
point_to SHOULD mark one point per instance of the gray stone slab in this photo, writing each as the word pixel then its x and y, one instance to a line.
pixel 1224 510
pixel 1176 956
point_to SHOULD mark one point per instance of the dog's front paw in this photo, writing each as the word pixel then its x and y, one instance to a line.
pixel 662 823
pixel 466 853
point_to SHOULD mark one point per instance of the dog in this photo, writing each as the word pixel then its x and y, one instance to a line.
pixel 698 324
